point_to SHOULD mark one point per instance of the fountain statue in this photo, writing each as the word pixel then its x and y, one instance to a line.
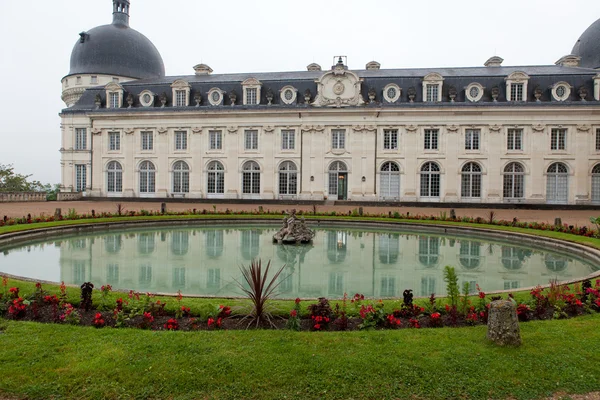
pixel 294 230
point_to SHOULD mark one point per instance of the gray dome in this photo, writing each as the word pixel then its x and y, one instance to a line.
pixel 588 46
pixel 116 49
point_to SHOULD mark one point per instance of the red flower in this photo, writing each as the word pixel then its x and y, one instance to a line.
pixel 210 322
pixel 435 315
pixel 293 313
pixel 219 320
pixel 297 300
pixel 317 326
pixel 172 325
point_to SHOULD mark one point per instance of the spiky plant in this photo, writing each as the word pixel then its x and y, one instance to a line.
pixel 260 289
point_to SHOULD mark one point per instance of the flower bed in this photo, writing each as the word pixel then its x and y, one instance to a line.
pixel 145 311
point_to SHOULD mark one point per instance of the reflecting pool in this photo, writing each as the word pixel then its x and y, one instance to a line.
pixel 205 260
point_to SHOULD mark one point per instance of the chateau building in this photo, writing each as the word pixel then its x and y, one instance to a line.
pixel 491 134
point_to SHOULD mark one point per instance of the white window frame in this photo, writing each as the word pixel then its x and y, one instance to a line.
pixel 286 89
pixel 80 177
pixel 515 185
pixel 114 141
pixel 558 139
pixel 597 139
pixel 114 95
pixel 216 177
pixel 251 96
pixel 251 139
pixel 430 81
pixel 288 139
pixel 511 139
pixel 338 139
pixel 392 99
pixel 181 140
pixel 116 175
pixel 181 177
pixel 390 139
pixel 251 83
pixel 520 78
pixel 251 179
pixel 80 139
pixel 143 101
pixel 566 94
pixel 147 140
pixel 474 99
pixel 221 95
pixel 473 139
pixel 181 93
pixel 431 137
pixel 147 177
pixel 215 139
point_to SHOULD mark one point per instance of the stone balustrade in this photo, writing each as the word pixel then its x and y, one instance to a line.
pixel 22 196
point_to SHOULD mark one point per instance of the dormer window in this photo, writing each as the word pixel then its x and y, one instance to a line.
pixel 391 93
pixel 147 98
pixel 516 86
pixel 432 88
pixel 251 88
pixel 597 87
pixel 288 94
pixel 474 92
pixel 561 91
pixel 181 93
pixel 114 95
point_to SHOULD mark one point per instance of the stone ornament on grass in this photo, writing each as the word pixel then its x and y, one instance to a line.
pixel 503 324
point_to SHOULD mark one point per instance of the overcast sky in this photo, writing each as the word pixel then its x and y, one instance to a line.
pixel 37 36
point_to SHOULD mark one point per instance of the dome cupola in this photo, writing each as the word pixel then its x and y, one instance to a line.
pixel 588 47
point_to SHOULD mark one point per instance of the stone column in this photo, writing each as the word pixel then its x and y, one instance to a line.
pixel 503 324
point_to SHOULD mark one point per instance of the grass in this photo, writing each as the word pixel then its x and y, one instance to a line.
pixel 42 361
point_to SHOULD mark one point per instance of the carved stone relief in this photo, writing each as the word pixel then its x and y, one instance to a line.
pixel 338 88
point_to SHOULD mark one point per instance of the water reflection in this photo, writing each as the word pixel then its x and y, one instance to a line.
pixel 206 261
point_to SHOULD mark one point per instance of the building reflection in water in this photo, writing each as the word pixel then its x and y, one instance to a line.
pixel 379 264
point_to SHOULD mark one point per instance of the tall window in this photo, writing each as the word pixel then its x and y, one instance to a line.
pixel 80 177
pixel 388 286
pixel 470 254
pixel 338 139
pixel 147 141
pixel 215 139
pixel 390 139
pixel 431 139
pixel 472 139
pixel 179 277
pixel 80 139
pixel 251 96
pixel 114 99
pixel 145 274
pixel 112 243
pixel 93 80
pixel 114 141
pixel 514 139
pixel 557 184
pixel 216 178
pixel 596 184
pixel 390 180
pixel 389 248
pixel 147 177
pixel 337 170
pixel 516 92
pixel 181 98
pixel 288 140
pixel 214 243
pixel 112 274
pixel 429 250
pixel 180 243
pixel 250 243
pixel 430 180
pixel 514 181
pixel 558 139
pixel 471 180
pixel 181 177
pixel 432 93
pixel 251 178
pixel 598 139
pixel 180 140
pixel 146 243
pixel 251 140
pixel 114 177
pixel 288 178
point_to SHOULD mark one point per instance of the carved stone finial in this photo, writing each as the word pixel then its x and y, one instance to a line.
pixel 129 100
pixel 198 98
pixel 163 99
pixel 412 93
pixel 583 92
pixel 452 92
pixel 372 94
pixel 495 93
pixel 98 101
pixel 307 96
pixel 232 97
pixel 537 93
pixel 269 96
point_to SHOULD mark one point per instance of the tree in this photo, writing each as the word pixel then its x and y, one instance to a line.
pixel 13 182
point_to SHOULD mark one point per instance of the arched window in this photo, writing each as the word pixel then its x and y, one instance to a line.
pixel 510 258
pixel 338 175
pixel 557 184
pixel 114 177
pixel 251 178
pixel 514 181
pixel 430 180
pixel 429 250
pixel 146 243
pixel 471 180
pixel 112 243
pixel 470 254
pixel 336 246
pixel 390 181
pixel 147 177
pixel 555 263
pixel 389 248
pixel 180 243
pixel 215 178
pixel 288 178
pixel 214 243
pixel 181 177
pixel 596 184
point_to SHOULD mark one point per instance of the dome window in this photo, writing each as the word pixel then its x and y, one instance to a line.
pixel 474 92
pixel 147 98
pixel 391 93
pixel 215 96
pixel 561 91
pixel 288 94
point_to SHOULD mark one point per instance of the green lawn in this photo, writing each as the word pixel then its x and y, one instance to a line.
pixel 40 361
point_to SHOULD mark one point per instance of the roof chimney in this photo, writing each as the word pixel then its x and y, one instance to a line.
pixel 494 62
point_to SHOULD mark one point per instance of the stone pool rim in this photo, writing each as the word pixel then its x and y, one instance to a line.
pixel 589 253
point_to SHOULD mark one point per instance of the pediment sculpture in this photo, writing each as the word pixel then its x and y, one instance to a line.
pixel 338 88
